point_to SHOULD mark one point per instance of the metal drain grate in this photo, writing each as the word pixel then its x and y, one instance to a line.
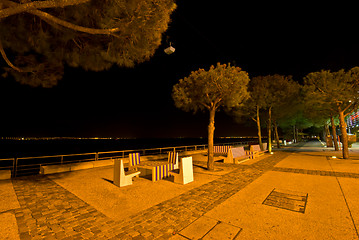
pixel 289 200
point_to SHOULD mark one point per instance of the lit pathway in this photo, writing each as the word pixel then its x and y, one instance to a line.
pixel 50 211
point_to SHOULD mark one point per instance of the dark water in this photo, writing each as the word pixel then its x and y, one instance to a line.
pixel 30 148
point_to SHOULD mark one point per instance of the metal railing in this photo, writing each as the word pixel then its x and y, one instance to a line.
pixel 23 166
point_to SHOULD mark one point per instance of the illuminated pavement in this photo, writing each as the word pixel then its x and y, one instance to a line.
pixel 226 206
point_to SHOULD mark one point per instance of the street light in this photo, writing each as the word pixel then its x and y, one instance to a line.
pixel 170 50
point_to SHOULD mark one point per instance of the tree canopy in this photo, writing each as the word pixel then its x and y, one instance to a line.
pixel 339 90
pixel 221 86
pixel 38 37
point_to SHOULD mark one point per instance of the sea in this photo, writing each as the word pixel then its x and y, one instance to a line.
pixel 10 148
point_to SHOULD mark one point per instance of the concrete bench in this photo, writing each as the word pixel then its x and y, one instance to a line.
pixel 120 177
pixel 5 174
pixel 184 174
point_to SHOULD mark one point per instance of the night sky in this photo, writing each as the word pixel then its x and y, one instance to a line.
pixel 292 39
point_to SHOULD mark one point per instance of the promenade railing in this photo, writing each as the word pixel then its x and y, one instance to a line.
pixel 23 166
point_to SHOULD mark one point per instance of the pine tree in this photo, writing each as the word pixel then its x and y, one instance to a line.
pixel 38 37
pixel 222 86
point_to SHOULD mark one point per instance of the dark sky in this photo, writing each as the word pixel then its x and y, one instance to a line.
pixel 292 39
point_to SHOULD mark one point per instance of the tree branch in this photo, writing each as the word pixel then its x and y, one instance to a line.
pixel 52 19
pixel 3 54
pixel 48 17
pixel 37 5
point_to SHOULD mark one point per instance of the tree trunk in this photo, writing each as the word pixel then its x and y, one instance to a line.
pixel 334 133
pixel 210 162
pixel 259 129
pixel 270 129
pixel 328 136
pixel 276 134
pixel 344 137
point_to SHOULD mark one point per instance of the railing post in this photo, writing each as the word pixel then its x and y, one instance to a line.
pixel 62 159
pixel 15 167
pixel 96 156
pixel 14 164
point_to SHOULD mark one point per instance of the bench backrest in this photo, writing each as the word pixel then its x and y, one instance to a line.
pixel 221 149
pixel 238 152
pixel 264 146
pixel 161 171
pixel 255 148
pixel 173 158
pixel 187 169
pixel 134 159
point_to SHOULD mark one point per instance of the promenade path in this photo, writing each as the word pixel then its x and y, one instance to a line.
pixel 300 192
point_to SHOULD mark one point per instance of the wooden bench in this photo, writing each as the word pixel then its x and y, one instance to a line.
pixel 221 150
pixel 256 150
pixel 120 177
pixel 184 174
pixel 265 148
pixel 162 171
pixel 135 159
pixel 237 155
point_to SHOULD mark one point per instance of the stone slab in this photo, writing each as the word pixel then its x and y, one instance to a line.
pixel 326 210
pixel 8 198
pixel 223 231
pixel 50 169
pixel 8 227
pixel 103 163
pixel 199 228
pixel 5 174
pixel 81 166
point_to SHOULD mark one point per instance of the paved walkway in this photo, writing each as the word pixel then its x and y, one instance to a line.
pixel 246 203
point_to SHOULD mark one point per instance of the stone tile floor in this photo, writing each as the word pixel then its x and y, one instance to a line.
pixel 50 211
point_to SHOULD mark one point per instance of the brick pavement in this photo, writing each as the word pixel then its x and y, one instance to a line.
pixel 50 211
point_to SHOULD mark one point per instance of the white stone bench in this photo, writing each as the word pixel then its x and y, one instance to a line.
pixel 185 173
pixel 120 177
